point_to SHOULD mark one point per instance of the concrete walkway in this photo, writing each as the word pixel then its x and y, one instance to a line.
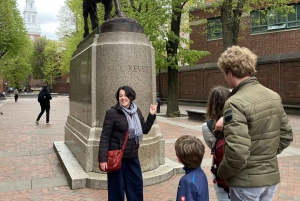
pixel 30 170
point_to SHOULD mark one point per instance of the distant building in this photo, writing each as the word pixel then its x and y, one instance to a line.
pixel 31 20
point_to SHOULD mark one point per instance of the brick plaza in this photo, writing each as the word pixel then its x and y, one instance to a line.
pixel 30 170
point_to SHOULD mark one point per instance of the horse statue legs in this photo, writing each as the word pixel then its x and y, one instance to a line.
pixel 90 7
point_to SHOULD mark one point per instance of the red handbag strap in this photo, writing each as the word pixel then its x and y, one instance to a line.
pixel 125 141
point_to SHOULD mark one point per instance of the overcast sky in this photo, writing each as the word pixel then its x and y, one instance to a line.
pixel 47 15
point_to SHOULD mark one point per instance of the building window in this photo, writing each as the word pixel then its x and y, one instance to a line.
pixel 214 28
pixel 260 22
pixel 33 19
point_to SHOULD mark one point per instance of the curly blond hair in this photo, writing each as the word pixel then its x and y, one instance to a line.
pixel 240 61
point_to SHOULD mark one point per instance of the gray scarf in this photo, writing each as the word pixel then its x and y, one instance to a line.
pixel 134 123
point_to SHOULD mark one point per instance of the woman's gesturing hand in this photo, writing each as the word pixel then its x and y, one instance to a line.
pixel 153 108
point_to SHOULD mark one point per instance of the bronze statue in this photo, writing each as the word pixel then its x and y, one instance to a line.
pixel 90 7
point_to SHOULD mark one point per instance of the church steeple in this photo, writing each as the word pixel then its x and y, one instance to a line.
pixel 31 20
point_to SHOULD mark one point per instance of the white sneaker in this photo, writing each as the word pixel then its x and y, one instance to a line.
pixel 49 123
pixel 37 122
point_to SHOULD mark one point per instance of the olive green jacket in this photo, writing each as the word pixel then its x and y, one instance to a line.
pixel 256 129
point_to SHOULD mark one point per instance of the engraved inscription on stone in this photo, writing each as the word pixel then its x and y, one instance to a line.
pixel 139 68
pixel 130 68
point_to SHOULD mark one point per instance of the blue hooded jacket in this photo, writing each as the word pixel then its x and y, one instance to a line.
pixel 193 186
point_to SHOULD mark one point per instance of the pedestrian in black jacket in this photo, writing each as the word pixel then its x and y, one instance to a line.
pixel 44 99
pixel 125 115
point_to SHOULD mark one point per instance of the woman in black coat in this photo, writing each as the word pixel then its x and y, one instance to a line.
pixel 125 115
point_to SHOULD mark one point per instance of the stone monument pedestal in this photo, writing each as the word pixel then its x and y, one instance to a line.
pixel 115 54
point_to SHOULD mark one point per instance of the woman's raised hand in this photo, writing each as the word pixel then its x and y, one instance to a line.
pixel 153 108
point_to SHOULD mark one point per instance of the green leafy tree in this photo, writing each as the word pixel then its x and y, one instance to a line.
pixel 231 13
pixel 13 34
pixel 38 57
pixel 46 59
pixel 17 69
pixel 52 64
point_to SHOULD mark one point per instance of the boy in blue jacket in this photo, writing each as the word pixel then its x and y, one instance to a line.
pixel 193 185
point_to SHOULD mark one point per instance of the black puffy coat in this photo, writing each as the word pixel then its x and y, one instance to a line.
pixel 115 126
pixel 47 95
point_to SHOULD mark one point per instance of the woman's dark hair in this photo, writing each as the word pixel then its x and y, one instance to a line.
pixel 215 103
pixel 130 93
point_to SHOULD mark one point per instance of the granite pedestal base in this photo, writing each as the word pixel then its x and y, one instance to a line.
pixel 78 178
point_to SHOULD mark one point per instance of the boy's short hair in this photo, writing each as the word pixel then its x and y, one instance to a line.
pixel 240 61
pixel 190 151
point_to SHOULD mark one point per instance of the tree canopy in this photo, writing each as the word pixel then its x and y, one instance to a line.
pixel 17 69
pixel 13 34
pixel 46 59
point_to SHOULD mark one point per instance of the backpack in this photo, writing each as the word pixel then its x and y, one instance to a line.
pixel 41 98
pixel 217 152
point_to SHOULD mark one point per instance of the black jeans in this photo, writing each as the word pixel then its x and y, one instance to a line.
pixel 16 97
pixel 43 108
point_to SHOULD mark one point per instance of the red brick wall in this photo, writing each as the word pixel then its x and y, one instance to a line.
pixel 282 78
pixel 61 88
pixel 270 43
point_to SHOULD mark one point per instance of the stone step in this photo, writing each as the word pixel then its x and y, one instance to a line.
pixel 78 178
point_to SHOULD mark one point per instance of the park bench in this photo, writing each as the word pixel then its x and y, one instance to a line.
pixel 196 114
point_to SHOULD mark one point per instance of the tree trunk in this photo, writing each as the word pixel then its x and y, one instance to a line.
pixel 237 14
pixel 172 105
pixel 172 48
pixel 226 16
pixel 231 18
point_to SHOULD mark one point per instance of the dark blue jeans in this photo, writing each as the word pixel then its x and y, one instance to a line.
pixel 129 179
pixel 43 108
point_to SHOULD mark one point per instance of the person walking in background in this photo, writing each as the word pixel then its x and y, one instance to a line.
pixel 256 129
pixel 193 186
pixel 214 111
pixel 124 116
pixel 16 94
pixel 44 98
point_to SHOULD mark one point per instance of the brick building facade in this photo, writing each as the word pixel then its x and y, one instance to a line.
pixel 277 48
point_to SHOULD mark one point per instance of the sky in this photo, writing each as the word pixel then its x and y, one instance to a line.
pixel 47 15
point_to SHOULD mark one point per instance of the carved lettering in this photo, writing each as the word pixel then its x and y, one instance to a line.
pixel 137 68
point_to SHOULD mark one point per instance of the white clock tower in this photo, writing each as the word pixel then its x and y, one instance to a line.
pixel 31 20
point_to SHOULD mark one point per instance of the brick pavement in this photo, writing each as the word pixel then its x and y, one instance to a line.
pixel 27 155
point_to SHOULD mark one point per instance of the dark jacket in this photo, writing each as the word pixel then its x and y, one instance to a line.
pixel 47 96
pixel 115 126
pixel 256 129
pixel 193 186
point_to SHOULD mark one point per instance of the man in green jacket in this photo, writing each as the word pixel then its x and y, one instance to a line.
pixel 256 129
